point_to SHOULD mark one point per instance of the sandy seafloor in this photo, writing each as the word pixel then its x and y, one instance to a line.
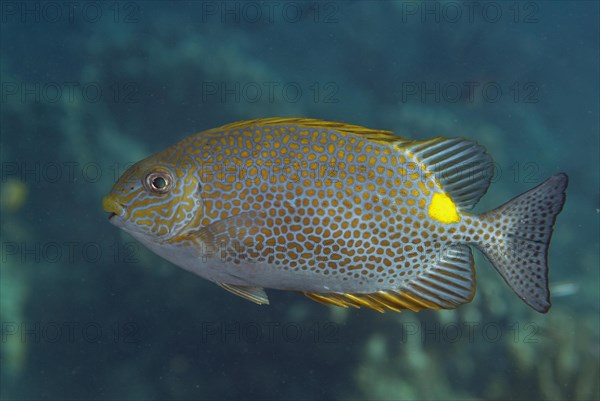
pixel 89 314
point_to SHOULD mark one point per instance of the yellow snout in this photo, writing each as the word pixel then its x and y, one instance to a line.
pixel 110 205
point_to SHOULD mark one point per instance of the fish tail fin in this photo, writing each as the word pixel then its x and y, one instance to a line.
pixel 520 235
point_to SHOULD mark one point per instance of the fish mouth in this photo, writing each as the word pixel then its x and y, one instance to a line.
pixel 111 206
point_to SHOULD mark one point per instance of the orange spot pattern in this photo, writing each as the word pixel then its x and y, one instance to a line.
pixel 329 203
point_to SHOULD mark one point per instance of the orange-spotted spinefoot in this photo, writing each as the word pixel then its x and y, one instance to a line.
pixel 347 215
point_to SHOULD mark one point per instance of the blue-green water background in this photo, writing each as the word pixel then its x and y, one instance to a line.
pixel 89 314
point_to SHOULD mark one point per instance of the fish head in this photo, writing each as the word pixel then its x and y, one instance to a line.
pixel 155 199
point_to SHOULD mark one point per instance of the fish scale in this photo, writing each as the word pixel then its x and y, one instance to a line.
pixel 316 208
pixel 347 215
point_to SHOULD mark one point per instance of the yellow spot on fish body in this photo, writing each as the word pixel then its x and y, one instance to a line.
pixel 443 209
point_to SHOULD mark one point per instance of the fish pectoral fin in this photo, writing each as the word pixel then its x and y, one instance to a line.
pixel 254 294
pixel 448 283
pixel 232 237
pixel 231 229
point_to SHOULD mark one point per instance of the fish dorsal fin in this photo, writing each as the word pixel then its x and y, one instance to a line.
pixel 367 133
pixel 462 167
pixel 254 294
pixel 448 283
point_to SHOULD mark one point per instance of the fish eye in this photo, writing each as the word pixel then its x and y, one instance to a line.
pixel 158 182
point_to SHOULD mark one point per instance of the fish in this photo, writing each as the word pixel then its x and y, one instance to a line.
pixel 346 215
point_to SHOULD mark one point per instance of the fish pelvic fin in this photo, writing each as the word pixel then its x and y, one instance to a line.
pixel 520 252
pixel 254 294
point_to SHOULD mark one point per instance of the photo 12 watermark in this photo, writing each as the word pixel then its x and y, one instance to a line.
pixel 70 252
pixel 70 332
pixel 325 174
pixel 269 92
pixel 468 92
pixel 54 172
pixel 70 12
pixel 328 332
pixel 469 332
pixel 69 92
pixel 270 12
pixel 235 332
pixel 470 12
pixel 332 173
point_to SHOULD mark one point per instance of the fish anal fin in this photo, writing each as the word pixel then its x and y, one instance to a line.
pixel 448 283
pixel 336 299
pixel 461 167
pixel 254 294
pixel 379 301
